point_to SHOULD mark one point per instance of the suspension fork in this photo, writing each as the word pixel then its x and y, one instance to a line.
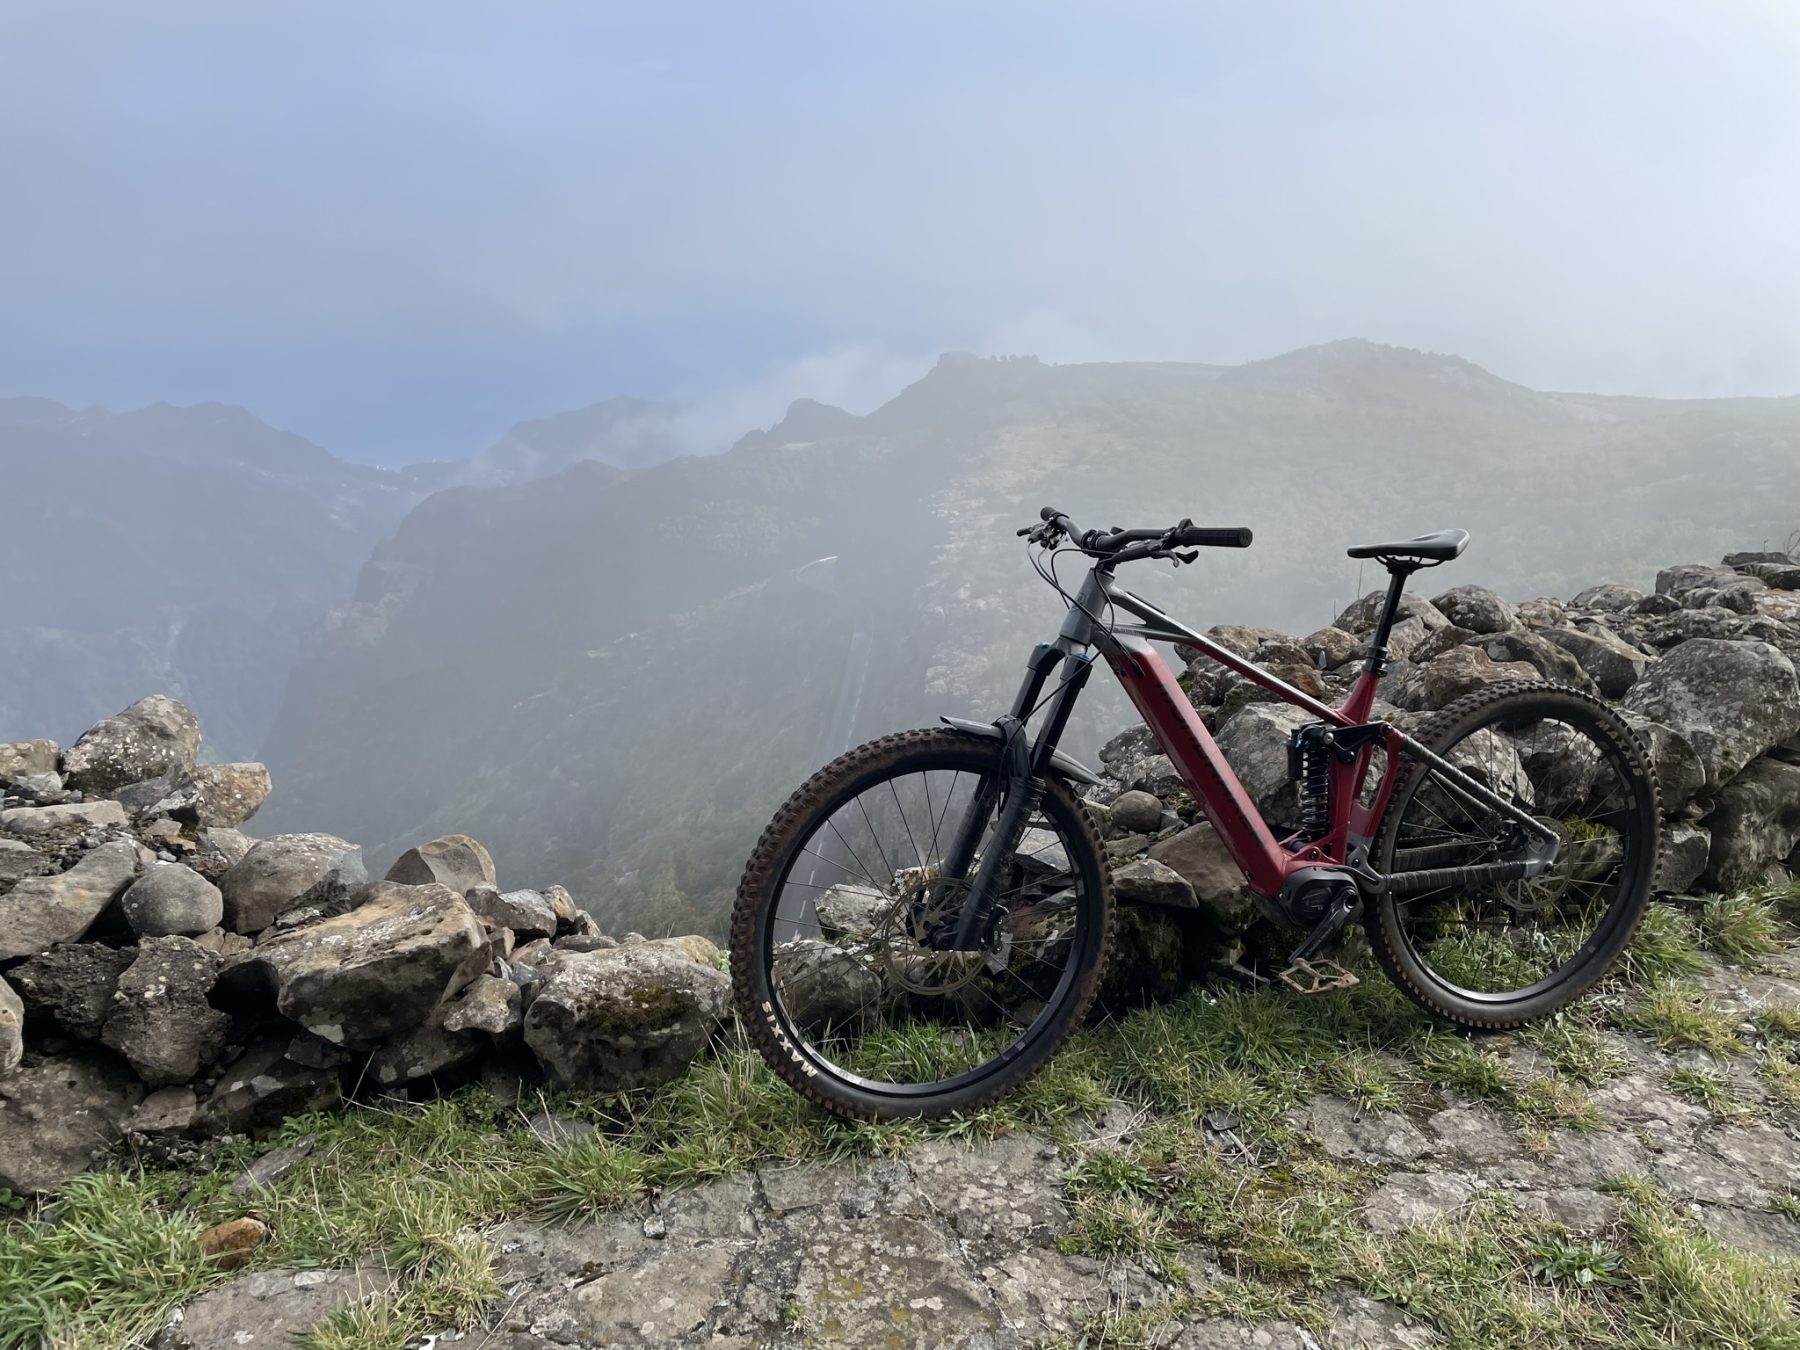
pixel 1021 785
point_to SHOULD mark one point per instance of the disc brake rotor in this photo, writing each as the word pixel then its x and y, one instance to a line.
pixel 925 905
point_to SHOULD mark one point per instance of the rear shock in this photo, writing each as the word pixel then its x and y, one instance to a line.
pixel 1309 764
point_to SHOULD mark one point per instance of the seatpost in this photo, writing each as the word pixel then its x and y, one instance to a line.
pixel 1377 660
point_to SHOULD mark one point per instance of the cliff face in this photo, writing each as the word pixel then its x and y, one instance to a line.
pixel 538 659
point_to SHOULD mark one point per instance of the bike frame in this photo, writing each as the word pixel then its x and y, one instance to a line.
pixel 1267 862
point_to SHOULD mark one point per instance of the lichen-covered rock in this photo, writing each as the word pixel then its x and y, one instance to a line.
pixel 214 795
pixel 1679 772
pixel 154 736
pixel 529 914
pixel 39 912
pixel 1148 959
pixel 171 899
pixel 1136 813
pixel 1731 701
pixel 1360 617
pixel 265 1085
pixel 30 821
pixel 1145 881
pixel 226 846
pixel 424 1052
pixel 825 985
pixel 1476 608
pixel 1610 598
pixel 12 1028
pixel 455 860
pixel 288 871
pixel 1199 856
pixel 56 1113
pixel 1756 823
pixel 1686 852
pixel 1685 577
pixel 489 1003
pixel 1611 663
pixel 1531 647
pixel 1459 671
pixel 73 984
pixel 630 1017
pixel 1254 741
pixel 1331 647
pixel 160 1019
pixel 376 971
pixel 26 759
pixel 19 860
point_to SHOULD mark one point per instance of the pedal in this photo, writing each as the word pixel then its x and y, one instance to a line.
pixel 1321 977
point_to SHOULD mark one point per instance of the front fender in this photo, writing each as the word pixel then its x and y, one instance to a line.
pixel 1063 764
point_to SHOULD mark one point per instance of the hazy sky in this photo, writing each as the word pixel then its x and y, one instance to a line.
pixel 399 227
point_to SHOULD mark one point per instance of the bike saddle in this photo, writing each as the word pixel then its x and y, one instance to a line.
pixel 1440 546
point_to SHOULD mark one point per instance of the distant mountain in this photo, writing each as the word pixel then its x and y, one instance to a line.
pixel 643 662
pixel 178 549
pixel 622 433
pixel 189 549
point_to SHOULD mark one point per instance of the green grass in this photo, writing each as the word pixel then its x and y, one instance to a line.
pixel 1741 928
pixel 1678 1017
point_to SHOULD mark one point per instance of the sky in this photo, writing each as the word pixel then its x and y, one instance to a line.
pixel 398 228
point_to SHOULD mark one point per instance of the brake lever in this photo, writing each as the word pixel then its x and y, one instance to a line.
pixel 1193 556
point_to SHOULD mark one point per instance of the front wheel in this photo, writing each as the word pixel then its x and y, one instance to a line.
pixel 1499 955
pixel 835 970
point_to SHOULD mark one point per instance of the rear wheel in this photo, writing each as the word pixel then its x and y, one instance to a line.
pixel 1497 955
pixel 833 968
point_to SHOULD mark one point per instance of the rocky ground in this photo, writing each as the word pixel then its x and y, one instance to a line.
pixel 269 1058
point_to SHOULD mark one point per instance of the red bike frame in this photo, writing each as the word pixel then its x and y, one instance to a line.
pixel 1265 860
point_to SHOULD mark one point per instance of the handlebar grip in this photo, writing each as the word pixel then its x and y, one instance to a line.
pixel 1199 536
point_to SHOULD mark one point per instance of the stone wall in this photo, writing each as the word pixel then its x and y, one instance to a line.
pixel 164 975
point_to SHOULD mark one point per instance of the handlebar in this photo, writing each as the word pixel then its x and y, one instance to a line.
pixel 1113 543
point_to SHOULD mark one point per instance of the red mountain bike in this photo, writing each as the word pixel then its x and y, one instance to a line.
pixel 927 917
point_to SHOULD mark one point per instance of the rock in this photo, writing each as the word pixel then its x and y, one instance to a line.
pixel 172 899
pixel 73 983
pixel 1771 1235
pixel 1476 608
pixel 288 871
pixel 1360 617
pixel 1776 576
pixel 1136 813
pixel 1686 851
pixel 824 985
pixel 570 917
pixel 1219 1333
pixel 1155 776
pixel 56 1113
pixel 1756 822
pixel 1542 613
pixel 1439 641
pixel 229 845
pixel 1408 1200
pixel 631 1017
pixel 1741 559
pixel 1145 881
pixel 1549 660
pixel 1134 743
pixel 424 1052
pixel 528 913
pixel 1331 647
pixel 39 912
pixel 1349 1134
pixel 1580 1209
pixel 221 796
pixel 1255 742
pixel 154 736
pixel 12 1028
pixel 170 1110
pixel 30 821
pixel 1359 1323
pixel 1761 1152
pixel 376 971
pixel 1685 577
pixel 269 1309
pixel 18 861
pixel 1199 856
pixel 263 1086
pixel 1457 672
pixel 228 1245
pixel 1679 772
pixel 586 942
pixel 160 1019
pixel 26 759
pixel 489 1004
pixel 1732 701
pixel 1611 663
pixel 455 860
pixel 1610 598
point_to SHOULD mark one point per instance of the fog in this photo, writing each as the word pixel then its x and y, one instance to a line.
pixel 400 228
